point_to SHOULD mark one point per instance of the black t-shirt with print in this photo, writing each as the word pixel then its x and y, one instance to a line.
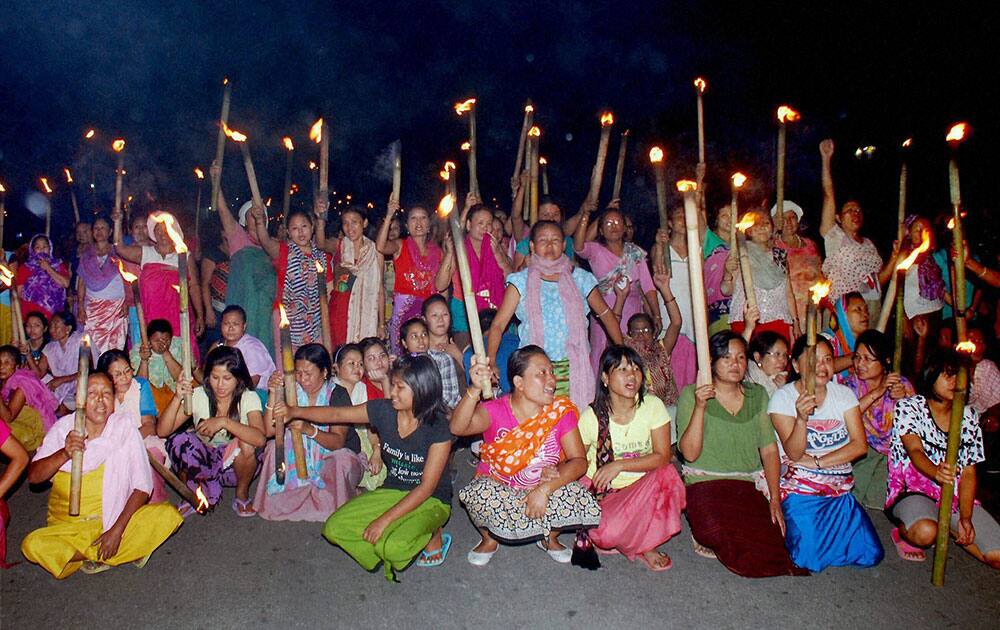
pixel 404 458
pixel 340 398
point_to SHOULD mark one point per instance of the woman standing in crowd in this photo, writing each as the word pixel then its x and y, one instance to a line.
pixel 731 467
pixel 718 271
pixel 26 404
pixel 403 518
pixel 101 292
pixel 768 365
pixel 526 483
pixel 551 299
pixel 418 265
pixel 775 303
pixel 617 264
pixel 42 280
pixel 917 469
pixel 877 390
pixel 820 435
pixel 228 428
pixel 800 254
pixel 850 320
pixel 334 463
pixel 295 261
pixel 626 432
pixel 356 303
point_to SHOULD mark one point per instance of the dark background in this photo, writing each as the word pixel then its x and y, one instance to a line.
pixel 151 72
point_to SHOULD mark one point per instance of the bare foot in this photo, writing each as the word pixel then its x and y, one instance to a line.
pixel 486 546
pixel 657 561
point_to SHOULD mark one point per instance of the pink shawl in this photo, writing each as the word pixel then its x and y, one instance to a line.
pixel 487 276
pixel 581 380
pixel 36 395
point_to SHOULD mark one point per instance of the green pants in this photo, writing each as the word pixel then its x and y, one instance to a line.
pixel 401 541
pixel 871 474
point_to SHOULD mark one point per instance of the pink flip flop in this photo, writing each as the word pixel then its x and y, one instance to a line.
pixel 654 568
pixel 244 509
pixel 905 550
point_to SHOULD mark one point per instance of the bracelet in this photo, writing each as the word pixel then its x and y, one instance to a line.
pixel 671 300
pixel 604 312
pixel 269 407
pixel 816 461
pixel 315 432
pixel 468 393
pixel 984 272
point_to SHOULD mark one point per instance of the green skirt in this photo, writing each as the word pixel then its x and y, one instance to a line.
pixel 252 284
pixel 400 542
pixel 871 475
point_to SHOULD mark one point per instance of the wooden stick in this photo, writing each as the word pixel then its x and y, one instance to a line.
pixel 887 303
pixel 597 175
pixel 185 323
pixel 811 325
pixel 533 175
pixel 286 197
pixel 397 174
pixel 324 162
pixel 660 171
pixel 529 116
pixel 174 482
pixel 323 289
pixel 251 174
pixel 620 168
pixel 220 142
pixel 699 305
pixel 79 425
pixel 897 355
pixel 288 366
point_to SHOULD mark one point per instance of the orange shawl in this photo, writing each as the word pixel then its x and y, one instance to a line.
pixel 513 452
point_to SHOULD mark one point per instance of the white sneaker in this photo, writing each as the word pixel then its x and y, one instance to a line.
pixel 481 558
pixel 562 556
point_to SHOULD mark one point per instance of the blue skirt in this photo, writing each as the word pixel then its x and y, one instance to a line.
pixel 826 532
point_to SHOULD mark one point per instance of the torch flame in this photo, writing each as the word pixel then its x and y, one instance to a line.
pixel 957 132
pixel 200 174
pixel 2 189
pixel 966 346
pixel 656 155
pixel 85 341
pixel 528 109
pixel 686 185
pixel 126 275
pixel 69 176
pixel 787 114
pixel 542 161
pixel 925 244
pixel 446 205
pixel 6 275
pixel 745 223
pixel 236 136
pixel 738 179
pixel 449 166
pixel 466 146
pixel 951 223
pixel 607 119
pixel 319 267
pixel 535 131
pixel 444 175
pixel 316 132
pixel 90 134
pixel 819 291
pixel 168 223
pixel 288 143
pixel 700 85
pixel 118 145
pixel 907 143
pixel 202 499
pixel 283 317
pixel 461 108
pixel 312 165
pixel 45 184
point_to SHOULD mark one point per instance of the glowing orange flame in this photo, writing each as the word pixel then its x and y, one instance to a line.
pixel 700 85
pixel 819 291
pixel 528 109
pixel 951 223
pixel 316 131
pixel 957 132
pixel 448 166
pixel 656 155
pixel 607 119
pixel 312 165
pixel 234 135
pixel 444 175
pixel 446 205
pixel 90 134
pixel 2 189
pixel 535 131
pixel 283 316
pixel 738 179
pixel 126 275
pixel 461 108
pixel 319 267
pixel 925 244
pixel 168 223
pixel 45 184
pixel 85 341
pixel 202 499
pixel 268 202
pixel 200 174
pixel 907 143
pixel 787 114
pixel 466 146
pixel 686 185
pixel 745 223
pixel 542 161
pixel 288 143
pixel 118 145
pixel 69 176
pixel 966 346
pixel 6 275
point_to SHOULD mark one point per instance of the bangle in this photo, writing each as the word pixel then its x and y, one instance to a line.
pixel 983 272
pixel 603 313
pixel 469 393
pixel 816 461
pixel 269 407
pixel 315 432
pixel 671 300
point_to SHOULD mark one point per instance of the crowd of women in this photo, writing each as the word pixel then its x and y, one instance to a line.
pixel 583 418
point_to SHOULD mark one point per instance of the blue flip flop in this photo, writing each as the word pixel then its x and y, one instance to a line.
pixel 422 561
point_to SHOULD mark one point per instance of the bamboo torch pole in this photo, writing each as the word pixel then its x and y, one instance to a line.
pixel 72 195
pixel 288 367
pixel 616 190
pixel 597 175
pixel 533 138
pixel 220 142
pixel 699 304
pixel 785 115
pixel 529 116
pixel 469 107
pixel 79 425
pixel 954 138
pixel 48 208
pixel 659 169
pixel 286 197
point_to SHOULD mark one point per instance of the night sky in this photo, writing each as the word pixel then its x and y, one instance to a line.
pixel 151 72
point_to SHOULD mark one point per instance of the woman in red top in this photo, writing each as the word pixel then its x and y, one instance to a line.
pixel 418 264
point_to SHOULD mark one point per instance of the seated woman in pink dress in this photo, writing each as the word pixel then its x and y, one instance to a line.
pixel 17 457
pixel 616 263
pixel 61 360
pixel 26 404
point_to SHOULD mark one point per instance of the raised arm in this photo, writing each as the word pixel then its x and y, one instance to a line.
pixel 469 417
pixel 173 417
pixel 505 313
pixel 229 224
pixel 131 253
pixel 603 312
pixel 321 208
pixel 829 218
pixel 270 245
pixel 207 269
pixel 385 245
pixel 519 229
pixel 662 281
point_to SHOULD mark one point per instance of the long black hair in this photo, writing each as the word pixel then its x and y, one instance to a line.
pixel 518 360
pixel 944 361
pixel 421 375
pixel 879 344
pixel 612 357
pixel 232 360
pixel 799 349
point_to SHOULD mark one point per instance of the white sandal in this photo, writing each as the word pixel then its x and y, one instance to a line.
pixel 481 558
pixel 562 556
